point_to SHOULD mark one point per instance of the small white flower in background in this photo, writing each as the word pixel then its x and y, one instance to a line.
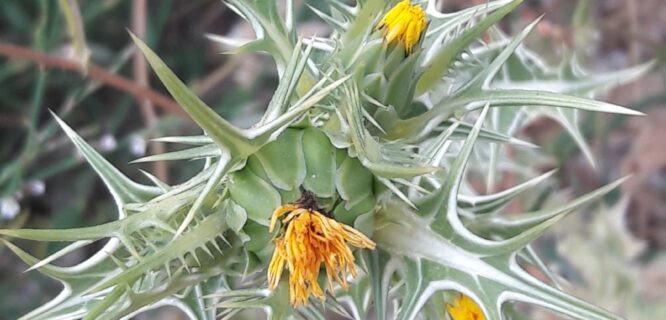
pixel 36 187
pixel 107 143
pixel 9 208
pixel 137 146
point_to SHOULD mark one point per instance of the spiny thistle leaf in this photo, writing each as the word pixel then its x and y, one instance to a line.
pixel 122 188
pixel 220 130
pixel 440 63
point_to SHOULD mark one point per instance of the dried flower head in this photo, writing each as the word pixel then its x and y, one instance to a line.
pixel 310 238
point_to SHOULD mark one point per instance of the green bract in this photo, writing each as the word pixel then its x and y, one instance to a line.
pixel 354 121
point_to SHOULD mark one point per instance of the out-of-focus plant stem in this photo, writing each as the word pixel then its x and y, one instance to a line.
pixel 94 72
pixel 141 78
pixel 75 28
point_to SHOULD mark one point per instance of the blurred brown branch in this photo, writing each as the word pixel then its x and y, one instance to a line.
pixel 94 72
pixel 140 70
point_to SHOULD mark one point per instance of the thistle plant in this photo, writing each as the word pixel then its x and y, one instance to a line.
pixel 351 194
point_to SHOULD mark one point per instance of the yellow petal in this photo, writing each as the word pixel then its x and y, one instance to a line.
pixel 464 308
pixel 404 22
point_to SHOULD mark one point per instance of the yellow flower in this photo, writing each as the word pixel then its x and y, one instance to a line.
pixel 464 308
pixel 404 22
pixel 311 239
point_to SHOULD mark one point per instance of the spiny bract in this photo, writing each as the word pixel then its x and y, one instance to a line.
pixel 381 139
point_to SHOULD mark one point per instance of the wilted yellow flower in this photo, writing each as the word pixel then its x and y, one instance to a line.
pixel 464 308
pixel 404 22
pixel 309 239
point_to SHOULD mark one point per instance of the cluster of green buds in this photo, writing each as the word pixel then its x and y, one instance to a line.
pixel 349 195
